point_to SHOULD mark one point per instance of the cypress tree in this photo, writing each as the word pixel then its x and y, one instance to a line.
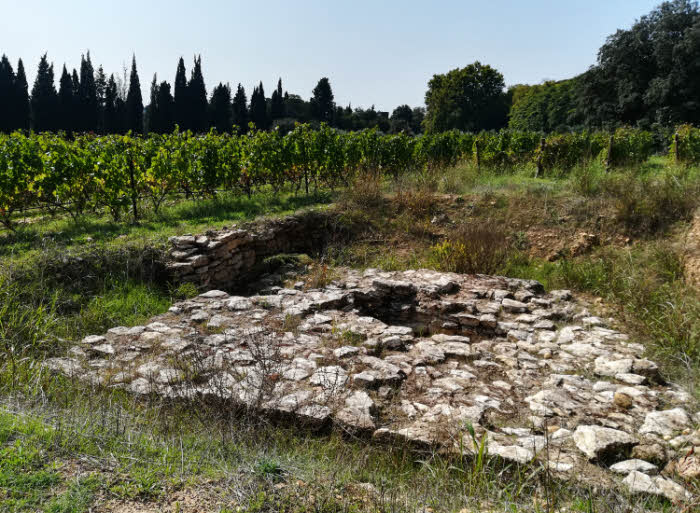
pixel 134 102
pixel 66 102
pixel 220 108
pixel 182 117
pixel 258 108
pixel 101 89
pixel 75 112
pixel 21 98
pixel 110 107
pixel 197 93
pixel 152 109
pixel 166 109
pixel 277 102
pixel 7 82
pixel 44 98
pixel 87 96
pixel 240 109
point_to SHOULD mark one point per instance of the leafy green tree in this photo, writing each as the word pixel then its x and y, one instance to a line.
pixel 182 111
pixel 44 97
pixel 134 101
pixel 277 102
pixel 7 84
pixel 322 104
pixel 197 93
pixel 296 108
pixel 548 107
pixel 220 108
pixel 258 108
pixel 401 119
pixel 649 74
pixel 417 119
pixel 66 102
pixel 469 99
pixel 88 112
pixel 240 109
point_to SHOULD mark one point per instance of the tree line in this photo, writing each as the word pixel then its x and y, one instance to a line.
pixel 647 76
pixel 87 100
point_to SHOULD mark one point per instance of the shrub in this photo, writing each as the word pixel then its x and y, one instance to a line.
pixel 474 248
pixel 650 204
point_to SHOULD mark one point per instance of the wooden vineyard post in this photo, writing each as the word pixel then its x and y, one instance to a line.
pixel 676 148
pixel 540 170
pixel 609 160
pixel 478 154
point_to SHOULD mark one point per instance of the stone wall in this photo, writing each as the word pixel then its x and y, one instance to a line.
pixel 229 258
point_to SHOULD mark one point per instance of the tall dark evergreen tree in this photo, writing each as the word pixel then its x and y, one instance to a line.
pixel 66 102
pixel 134 102
pixel 152 108
pixel 165 119
pixel 322 104
pixel 44 97
pixel 277 102
pixel 87 96
pixel 21 98
pixel 7 83
pixel 111 124
pixel 258 108
pixel 182 116
pixel 220 108
pixel 75 110
pixel 101 88
pixel 197 93
pixel 240 109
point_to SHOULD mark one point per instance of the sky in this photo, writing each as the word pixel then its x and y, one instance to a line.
pixel 380 53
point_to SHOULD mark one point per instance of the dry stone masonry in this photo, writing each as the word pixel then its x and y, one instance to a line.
pixel 230 258
pixel 416 358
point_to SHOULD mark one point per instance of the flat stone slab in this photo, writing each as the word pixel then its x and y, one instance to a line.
pixel 416 357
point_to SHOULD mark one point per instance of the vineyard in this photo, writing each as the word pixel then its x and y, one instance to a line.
pixel 88 173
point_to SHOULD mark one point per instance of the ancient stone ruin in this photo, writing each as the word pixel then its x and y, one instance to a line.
pixel 232 258
pixel 421 358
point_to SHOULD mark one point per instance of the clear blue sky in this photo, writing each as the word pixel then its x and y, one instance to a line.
pixel 374 52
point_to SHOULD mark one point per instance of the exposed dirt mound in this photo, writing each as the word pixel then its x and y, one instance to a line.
pixel 692 252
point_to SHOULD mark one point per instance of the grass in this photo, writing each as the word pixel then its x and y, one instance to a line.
pixel 176 217
pixel 67 447
pixel 110 448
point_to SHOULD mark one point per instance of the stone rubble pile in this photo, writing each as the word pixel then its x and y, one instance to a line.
pixel 417 357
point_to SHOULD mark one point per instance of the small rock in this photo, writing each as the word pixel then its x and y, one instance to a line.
pixel 627 466
pixel 346 351
pixel 654 453
pixel 638 482
pixel 601 443
pixel 606 367
pixel 94 339
pixel 510 305
pixel 623 400
pixel 665 423
pixel 631 379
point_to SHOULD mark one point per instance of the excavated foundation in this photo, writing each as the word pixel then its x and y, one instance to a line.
pixel 417 357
